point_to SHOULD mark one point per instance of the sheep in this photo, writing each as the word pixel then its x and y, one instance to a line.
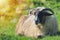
pixel 26 26
pixel 45 17
pixel 38 23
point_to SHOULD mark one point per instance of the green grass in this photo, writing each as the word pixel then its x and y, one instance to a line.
pixel 7 31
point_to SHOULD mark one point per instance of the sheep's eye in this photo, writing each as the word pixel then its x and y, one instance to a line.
pixel 30 12
pixel 34 13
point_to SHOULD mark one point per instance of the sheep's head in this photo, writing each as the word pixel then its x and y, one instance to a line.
pixel 41 13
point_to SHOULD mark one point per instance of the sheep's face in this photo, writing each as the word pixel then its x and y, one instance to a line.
pixel 39 17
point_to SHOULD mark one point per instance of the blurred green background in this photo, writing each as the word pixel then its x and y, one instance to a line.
pixel 11 10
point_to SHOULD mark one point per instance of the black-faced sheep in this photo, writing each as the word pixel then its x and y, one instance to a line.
pixel 39 22
pixel 46 17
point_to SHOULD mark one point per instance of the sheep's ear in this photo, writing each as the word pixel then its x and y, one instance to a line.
pixel 47 12
pixel 32 12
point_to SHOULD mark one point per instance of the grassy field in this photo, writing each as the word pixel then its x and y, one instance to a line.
pixel 7 31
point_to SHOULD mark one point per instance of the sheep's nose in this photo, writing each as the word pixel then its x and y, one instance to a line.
pixel 40 36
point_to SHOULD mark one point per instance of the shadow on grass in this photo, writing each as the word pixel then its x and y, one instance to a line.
pixel 58 33
pixel 14 37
